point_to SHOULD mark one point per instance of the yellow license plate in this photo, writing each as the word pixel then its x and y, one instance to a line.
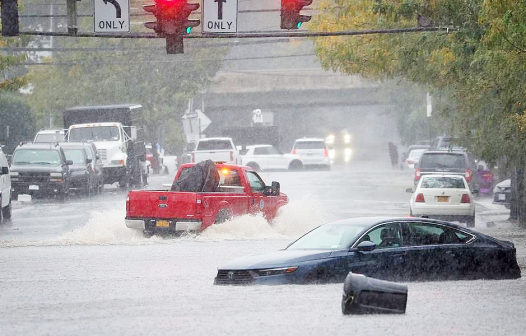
pixel 162 223
pixel 442 198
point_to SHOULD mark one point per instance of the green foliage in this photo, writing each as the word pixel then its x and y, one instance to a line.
pixel 98 71
pixel 16 121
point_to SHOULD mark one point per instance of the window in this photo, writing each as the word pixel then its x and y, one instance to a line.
pixel 442 160
pixel 214 145
pixel 36 157
pixel 273 151
pixel 310 145
pixel 99 133
pixel 229 178
pixel 434 234
pixel 256 183
pixel 384 236
pixel 75 155
pixel 260 151
pixel 453 182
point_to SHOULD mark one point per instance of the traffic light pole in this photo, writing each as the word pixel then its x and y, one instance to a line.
pixel 174 44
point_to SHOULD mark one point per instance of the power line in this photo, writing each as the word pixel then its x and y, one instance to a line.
pixel 88 63
pixel 250 35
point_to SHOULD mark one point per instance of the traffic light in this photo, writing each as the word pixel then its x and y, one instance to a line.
pixel 10 25
pixel 290 13
pixel 172 22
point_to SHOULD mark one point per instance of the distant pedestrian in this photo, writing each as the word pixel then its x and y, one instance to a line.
pixel 393 153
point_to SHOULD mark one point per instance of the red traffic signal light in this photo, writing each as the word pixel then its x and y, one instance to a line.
pixel 172 21
pixel 290 13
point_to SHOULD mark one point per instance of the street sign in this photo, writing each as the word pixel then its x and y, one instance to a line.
pixel 111 16
pixel 219 16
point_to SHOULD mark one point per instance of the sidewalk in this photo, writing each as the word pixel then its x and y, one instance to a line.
pixel 493 220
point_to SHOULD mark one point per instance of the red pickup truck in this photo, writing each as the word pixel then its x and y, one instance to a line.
pixel 202 194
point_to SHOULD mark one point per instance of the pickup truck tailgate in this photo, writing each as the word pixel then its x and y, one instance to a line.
pixel 160 204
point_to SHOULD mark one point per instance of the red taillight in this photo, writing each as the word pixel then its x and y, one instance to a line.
pixel 468 175
pixel 418 172
pixel 410 162
pixel 487 176
pixel 465 199
pixel 326 153
pixel 294 151
pixel 420 198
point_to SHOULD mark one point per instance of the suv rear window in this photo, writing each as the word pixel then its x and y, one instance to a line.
pixel 442 160
pixel 310 145
pixel 214 145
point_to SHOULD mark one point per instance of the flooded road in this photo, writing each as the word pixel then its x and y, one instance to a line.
pixel 74 268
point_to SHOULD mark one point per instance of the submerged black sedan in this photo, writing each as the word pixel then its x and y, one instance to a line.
pixel 403 249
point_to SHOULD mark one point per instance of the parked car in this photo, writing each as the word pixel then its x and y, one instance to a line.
pixel 93 165
pixel 443 197
pixel 313 152
pixel 502 192
pixel 414 156
pixel 385 248
pixel 5 188
pixel 40 169
pixel 50 135
pixel 217 150
pixel 263 157
pixel 448 162
pixel 445 142
pixel 410 148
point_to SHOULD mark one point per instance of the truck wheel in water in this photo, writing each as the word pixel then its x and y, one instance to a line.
pixel 222 216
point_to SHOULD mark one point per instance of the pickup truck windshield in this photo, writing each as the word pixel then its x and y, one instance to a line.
pixel 36 157
pixel 99 133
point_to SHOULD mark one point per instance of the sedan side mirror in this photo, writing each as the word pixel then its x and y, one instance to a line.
pixel 476 191
pixel 366 246
pixel 89 160
pixel 97 156
pixel 4 171
pixel 409 190
pixel 69 162
pixel 275 188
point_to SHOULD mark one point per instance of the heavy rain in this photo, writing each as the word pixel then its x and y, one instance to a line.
pixel 137 171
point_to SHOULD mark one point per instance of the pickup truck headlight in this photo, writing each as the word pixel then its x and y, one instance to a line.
pixel 276 271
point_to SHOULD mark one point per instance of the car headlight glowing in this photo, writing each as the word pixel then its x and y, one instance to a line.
pixel 276 271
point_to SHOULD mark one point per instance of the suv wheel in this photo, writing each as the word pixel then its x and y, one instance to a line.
pixel 6 212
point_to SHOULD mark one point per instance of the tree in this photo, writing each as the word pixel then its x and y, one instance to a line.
pixel 478 68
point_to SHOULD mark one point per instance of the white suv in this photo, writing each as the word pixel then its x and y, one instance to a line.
pixel 5 187
pixel 313 152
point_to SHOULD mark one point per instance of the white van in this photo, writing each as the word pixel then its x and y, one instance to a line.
pixel 5 187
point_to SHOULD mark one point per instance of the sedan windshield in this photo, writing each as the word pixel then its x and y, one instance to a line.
pixel 328 237
pixel 100 133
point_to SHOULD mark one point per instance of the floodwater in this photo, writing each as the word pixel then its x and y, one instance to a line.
pixel 95 276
